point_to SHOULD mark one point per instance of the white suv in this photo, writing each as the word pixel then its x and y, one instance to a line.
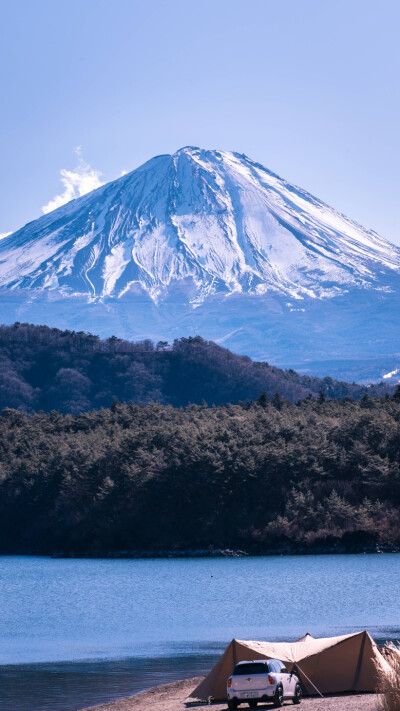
pixel 262 680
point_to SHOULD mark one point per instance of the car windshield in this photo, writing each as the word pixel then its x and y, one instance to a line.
pixel 251 668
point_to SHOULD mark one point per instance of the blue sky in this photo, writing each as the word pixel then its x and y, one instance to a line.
pixel 308 88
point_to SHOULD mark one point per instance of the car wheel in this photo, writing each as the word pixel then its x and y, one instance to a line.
pixel 232 704
pixel 253 704
pixel 278 697
pixel 297 694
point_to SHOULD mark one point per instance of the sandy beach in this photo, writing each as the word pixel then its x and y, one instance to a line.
pixel 174 697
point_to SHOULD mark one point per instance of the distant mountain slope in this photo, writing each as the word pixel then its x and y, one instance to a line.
pixel 47 369
pixel 214 243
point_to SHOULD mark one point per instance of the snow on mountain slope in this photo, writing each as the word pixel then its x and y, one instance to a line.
pixel 211 243
pixel 217 219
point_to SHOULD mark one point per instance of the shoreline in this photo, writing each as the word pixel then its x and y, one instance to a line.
pixel 287 550
pixel 174 697
pixel 213 552
pixel 207 554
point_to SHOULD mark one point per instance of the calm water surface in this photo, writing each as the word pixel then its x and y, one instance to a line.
pixel 78 632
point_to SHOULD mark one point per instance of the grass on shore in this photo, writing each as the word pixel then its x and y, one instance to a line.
pixel 389 687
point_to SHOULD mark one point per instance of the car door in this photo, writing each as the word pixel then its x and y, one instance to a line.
pixel 287 680
pixel 276 667
pixel 289 683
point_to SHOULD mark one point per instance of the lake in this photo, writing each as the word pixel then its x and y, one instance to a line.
pixel 74 633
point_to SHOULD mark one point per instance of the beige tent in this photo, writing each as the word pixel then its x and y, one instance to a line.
pixel 330 665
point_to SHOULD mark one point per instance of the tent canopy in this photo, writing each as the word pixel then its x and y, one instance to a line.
pixel 350 662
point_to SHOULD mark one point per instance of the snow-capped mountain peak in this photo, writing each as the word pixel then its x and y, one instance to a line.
pixel 211 243
pixel 213 219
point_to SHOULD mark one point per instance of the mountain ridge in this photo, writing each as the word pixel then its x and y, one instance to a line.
pixel 43 369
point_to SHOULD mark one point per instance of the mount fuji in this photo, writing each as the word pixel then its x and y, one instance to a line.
pixel 210 242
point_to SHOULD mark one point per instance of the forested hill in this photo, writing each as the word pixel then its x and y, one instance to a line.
pixel 47 369
pixel 259 476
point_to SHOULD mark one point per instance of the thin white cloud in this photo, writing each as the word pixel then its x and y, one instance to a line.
pixel 4 234
pixel 79 181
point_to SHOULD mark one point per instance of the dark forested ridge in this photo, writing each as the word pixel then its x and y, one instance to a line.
pixel 295 464
pixel 48 369
pixel 258 476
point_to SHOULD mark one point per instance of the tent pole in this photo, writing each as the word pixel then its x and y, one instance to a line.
pixel 312 684
pixel 360 656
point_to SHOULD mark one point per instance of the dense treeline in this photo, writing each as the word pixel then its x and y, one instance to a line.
pixel 251 476
pixel 45 369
